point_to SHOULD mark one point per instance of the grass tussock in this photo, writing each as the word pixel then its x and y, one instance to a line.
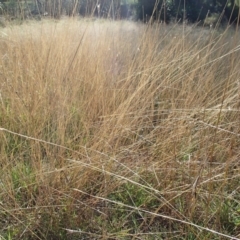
pixel 116 130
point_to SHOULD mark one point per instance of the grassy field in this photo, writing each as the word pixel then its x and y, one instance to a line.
pixel 117 130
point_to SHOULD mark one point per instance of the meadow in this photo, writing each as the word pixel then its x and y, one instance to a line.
pixel 119 130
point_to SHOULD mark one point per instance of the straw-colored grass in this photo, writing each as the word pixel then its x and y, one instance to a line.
pixel 117 130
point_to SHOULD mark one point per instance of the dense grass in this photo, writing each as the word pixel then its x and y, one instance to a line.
pixel 116 130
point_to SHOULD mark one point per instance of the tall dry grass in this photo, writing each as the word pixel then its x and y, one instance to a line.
pixel 117 130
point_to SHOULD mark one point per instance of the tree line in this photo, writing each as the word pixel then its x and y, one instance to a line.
pixel 145 10
pixel 188 10
pixel 57 8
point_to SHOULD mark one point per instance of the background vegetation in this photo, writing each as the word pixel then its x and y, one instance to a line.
pixel 119 130
pixel 157 10
pixel 190 10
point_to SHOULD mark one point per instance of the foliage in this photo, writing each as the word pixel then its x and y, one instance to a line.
pixel 119 130
pixel 187 9
pixel 160 10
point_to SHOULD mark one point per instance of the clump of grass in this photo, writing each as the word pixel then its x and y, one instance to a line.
pixel 116 130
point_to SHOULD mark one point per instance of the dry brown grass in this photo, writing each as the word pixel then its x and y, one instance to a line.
pixel 116 130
